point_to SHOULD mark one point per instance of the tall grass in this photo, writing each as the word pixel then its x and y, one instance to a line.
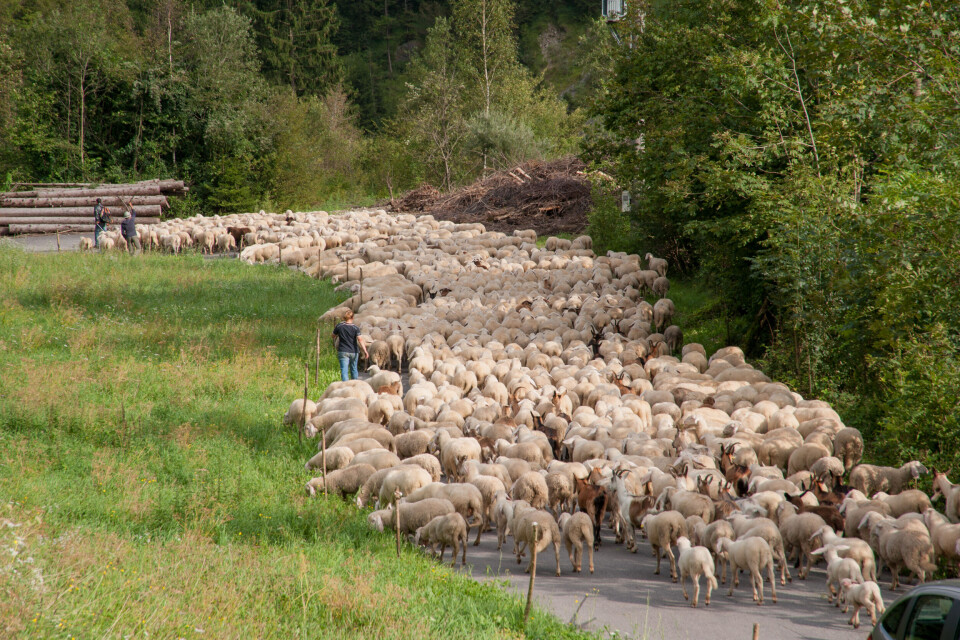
pixel 149 487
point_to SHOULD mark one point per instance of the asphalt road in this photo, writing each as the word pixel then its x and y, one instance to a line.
pixel 624 596
pixel 48 242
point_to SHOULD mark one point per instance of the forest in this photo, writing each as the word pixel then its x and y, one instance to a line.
pixel 800 159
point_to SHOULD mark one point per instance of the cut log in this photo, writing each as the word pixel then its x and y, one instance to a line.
pixel 84 201
pixel 72 220
pixel 145 188
pixel 16 229
pixel 147 210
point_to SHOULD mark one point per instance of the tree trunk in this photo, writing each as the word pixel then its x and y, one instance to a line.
pixel 58 220
pixel 83 113
pixel 82 201
pixel 38 212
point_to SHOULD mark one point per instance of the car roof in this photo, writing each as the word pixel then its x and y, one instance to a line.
pixel 947 587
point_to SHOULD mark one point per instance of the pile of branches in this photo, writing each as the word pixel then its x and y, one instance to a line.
pixel 549 197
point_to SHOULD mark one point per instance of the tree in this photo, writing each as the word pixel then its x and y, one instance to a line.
pixel 433 111
pixel 296 42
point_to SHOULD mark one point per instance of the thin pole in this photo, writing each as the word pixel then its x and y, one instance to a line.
pixel 323 458
pixel 533 573
pixel 317 380
pixel 58 240
pixel 303 409
pixel 361 286
pixel 396 517
pixel 756 631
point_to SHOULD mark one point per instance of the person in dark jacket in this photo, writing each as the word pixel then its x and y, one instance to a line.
pixel 128 229
pixel 348 339
pixel 101 216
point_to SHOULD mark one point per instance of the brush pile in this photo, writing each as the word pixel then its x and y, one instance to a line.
pixel 548 197
pixel 47 208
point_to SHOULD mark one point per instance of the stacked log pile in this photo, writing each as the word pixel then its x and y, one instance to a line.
pixel 69 207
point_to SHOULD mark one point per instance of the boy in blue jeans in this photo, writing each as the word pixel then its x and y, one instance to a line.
pixel 348 339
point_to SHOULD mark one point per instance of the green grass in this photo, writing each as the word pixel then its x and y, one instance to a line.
pixel 698 313
pixel 542 240
pixel 149 486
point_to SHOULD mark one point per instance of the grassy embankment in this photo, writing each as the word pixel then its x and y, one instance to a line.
pixel 148 487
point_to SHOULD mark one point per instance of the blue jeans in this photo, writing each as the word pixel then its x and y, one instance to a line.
pixel 348 365
pixel 97 230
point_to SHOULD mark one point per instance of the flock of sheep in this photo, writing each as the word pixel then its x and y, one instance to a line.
pixel 547 399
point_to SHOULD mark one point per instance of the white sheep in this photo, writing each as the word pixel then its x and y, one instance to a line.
pixel 663 530
pixel 577 529
pixel 695 562
pixel 446 530
pixel 865 595
pixel 750 554
pixel 838 569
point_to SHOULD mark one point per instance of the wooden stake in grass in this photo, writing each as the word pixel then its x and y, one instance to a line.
pixel 303 410
pixel 323 458
pixel 396 518
pixel 533 572
pixel 58 241
pixel 361 285
pixel 317 380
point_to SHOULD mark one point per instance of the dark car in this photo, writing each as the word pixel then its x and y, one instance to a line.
pixel 928 612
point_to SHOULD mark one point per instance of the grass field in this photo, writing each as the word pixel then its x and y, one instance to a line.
pixel 148 488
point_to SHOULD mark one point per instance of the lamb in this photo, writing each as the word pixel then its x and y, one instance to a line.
pixel 449 529
pixel 853 548
pixel 694 562
pixel 663 529
pixel 838 569
pixel 861 595
pixel 531 487
pixel 577 530
pixel 343 482
pixel 544 533
pixel 465 497
pixel 749 554
pixel 86 244
pixel 337 458
pixel 871 479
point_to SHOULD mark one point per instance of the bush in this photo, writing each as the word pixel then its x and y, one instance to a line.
pixel 608 226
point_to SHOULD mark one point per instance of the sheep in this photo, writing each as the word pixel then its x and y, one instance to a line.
pixel 765 528
pixel 531 487
pixel 295 413
pixel 749 554
pixel 577 530
pixel 656 264
pixel 694 562
pixel 848 447
pixel 905 548
pixel 86 244
pixel 663 312
pixel 426 462
pixel 673 336
pixel 853 548
pixel 405 480
pixel 412 443
pixel 838 569
pixel 449 529
pixel 377 458
pixel 951 495
pixel 660 287
pixel 453 451
pixel 870 479
pixel 342 482
pixel 414 515
pixel 663 529
pixel 336 458
pixel 909 501
pixel 865 595
pixel 465 497
pixel 944 536
pixel 797 530
pixel 545 532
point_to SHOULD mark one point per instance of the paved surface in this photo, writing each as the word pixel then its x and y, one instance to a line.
pixel 48 241
pixel 625 597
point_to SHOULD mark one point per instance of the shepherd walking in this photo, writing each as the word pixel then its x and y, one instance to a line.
pixel 348 339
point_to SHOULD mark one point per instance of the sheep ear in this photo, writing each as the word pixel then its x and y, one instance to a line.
pixel 819 551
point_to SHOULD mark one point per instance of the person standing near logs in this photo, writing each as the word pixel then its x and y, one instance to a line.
pixel 128 228
pixel 101 216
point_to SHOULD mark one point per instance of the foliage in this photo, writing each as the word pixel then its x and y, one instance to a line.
pixel 801 158
pixel 150 488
